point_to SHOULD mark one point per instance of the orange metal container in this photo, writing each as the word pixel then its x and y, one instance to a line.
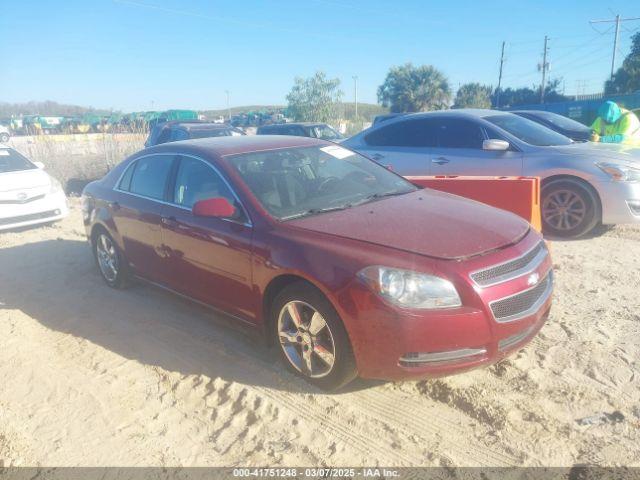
pixel 520 195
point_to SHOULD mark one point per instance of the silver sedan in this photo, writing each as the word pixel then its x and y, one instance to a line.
pixel 583 184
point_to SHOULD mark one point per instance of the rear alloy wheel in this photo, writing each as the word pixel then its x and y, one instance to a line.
pixel 569 209
pixel 4 137
pixel 110 262
pixel 311 337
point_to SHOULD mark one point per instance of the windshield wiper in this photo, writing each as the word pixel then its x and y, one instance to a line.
pixel 315 211
pixel 376 196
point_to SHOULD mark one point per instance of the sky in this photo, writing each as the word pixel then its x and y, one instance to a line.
pixel 131 55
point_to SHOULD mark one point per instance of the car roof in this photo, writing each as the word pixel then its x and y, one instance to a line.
pixel 458 113
pixel 301 124
pixel 233 145
pixel 205 126
pixel 532 111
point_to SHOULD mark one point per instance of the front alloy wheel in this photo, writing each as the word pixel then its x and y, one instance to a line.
pixel 569 208
pixel 311 338
pixel 306 339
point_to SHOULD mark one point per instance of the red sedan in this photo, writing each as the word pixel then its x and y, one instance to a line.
pixel 346 267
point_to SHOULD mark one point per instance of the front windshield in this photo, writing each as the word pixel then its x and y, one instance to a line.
pixel 296 182
pixel 325 132
pixel 528 131
pixel 12 161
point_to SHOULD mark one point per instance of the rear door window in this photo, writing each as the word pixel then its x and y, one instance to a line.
pixel 406 133
pixel 149 178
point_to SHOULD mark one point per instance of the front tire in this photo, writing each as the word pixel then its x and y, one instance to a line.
pixel 111 262
pixel 311 337
pixel 4 137
pixel 570 208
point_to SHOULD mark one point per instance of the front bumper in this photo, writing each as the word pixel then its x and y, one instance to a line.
pixel 620 202
pixel 50 208
pixel 393 344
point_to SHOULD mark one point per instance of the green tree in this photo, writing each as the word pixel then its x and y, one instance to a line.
pixel 511 97
pixel 627 78
pixel 414 89
pixel 315 99
pixel 473 95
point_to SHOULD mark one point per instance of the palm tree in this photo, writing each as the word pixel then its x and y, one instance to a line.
pixel 415 89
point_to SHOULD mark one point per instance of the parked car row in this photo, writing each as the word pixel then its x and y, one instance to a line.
pixel 346 267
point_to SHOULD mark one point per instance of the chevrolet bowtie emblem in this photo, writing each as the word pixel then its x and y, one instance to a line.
pixel 533 279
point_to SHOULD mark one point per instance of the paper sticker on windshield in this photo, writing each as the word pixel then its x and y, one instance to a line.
pixel 4 153
pixel 336 151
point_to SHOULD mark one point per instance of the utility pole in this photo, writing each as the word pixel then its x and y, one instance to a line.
pixel 618 20
pixel 228 108
pixel 355 95
pixel 500 77
pixel 544 67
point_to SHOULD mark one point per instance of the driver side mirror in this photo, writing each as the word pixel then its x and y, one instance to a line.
pixel 214 207
pixel 493 144
pixel 40 165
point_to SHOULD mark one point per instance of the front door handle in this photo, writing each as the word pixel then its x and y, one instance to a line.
pixel 114 205
pixel 440 160
pixel 377 156
pixel 169 221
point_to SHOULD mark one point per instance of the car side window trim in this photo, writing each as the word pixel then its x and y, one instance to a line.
pixel 132 168
pixel 171 183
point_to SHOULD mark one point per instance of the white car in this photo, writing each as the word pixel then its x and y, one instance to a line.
pixel 5 135
pixel 28 195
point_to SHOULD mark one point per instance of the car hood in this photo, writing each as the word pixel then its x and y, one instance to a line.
pixel 600 151
pixel 425 222
pixel 24 180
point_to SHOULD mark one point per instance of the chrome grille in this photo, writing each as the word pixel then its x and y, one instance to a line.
pixel 522 304
pixel 511 269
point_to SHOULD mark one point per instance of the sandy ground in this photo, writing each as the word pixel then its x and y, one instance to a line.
pixel 97 377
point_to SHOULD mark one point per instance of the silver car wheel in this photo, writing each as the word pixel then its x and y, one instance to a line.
pixel 107 257
pixel 564 210
pixel 306 339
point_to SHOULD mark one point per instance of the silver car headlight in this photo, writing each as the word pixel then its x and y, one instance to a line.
pixel 620 172
pixel 411 289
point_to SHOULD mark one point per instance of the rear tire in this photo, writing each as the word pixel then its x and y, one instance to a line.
pixel 112 265
pixel 311 338
pixel 570 208
pixel 4 137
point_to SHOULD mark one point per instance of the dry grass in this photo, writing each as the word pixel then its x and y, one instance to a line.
pixel 76 159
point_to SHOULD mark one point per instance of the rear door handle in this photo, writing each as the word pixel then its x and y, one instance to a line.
pixel 440 160
pixel 114 205
pixel 377 156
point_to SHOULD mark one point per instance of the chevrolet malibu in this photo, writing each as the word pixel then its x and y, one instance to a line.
pixel 346 267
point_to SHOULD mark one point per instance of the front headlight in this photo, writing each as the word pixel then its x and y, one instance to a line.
pixel 411 289
pixel 56 186
pixel 619 172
